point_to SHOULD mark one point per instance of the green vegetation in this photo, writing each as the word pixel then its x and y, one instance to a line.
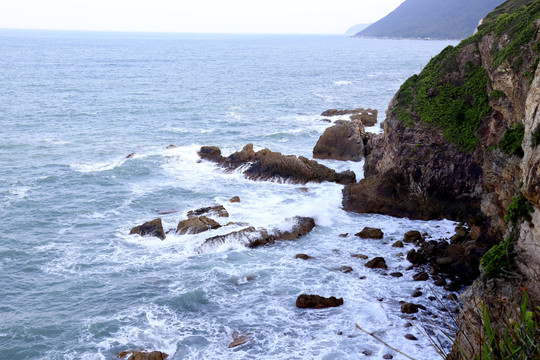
pixel 496 95
pixel 512 140
pixel 498 259
pixel 455 97
pixel 519 340
pixel 535 141
pixel 520 208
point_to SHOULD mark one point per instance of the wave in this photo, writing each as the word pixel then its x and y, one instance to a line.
pixel 98 166
pixel 342 83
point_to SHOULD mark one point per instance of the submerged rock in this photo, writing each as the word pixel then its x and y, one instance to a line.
pixel 239 340
pixel 252 237
pixel 196 225
pixel 317 302
pixel 234 199
pixel 268 165
pixel 412 236
pixel 370 233
pixel 377 263
pixel 303 257
pixel 143 355
pixel 150 228
pixel 409 308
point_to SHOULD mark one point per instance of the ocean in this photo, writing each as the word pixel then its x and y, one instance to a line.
pixel 76 285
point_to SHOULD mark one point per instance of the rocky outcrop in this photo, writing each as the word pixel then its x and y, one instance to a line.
pixel 343 141
pixel 150 228
pixel 268 165
pixel 218 210
pixel 252 237
pixel 370 233
pixel 377 263
pixel 368 117
pixel 317 302
pixel 196 225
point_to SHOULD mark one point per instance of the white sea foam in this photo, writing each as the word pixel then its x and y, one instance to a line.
pixel 98 166
pixel 342 83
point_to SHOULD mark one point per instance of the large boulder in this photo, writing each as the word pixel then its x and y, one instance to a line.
pixel 377 263
pixel 150 228
pixel 412 236
pixel 317 302
pixel 196 225
pixel 252 237
pixel 269 165
pixel 143 355
pixel 218 210
pixel 343 141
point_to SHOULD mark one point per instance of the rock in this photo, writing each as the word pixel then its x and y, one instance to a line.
pixel 410 337
pixel 412 236
pixel 252 237
pixel 218 210
pixel 422 276
pixel 343 141
pixel 398 244
pixel 196 225
pixel 239 340
pixel 367 352
pixel 370 233
pixel 388 356
pixel 366 118
pixel 396 274
pixel 417 293
pixel 150 228
pixel 131 156
pixel 172 146
pixel 346 269
pixel 409 308
pixel 268 165
pixel 317 302
pixel 235 199
pixel 360 256
pixel 143 355
pixel 377 263
pixel 303 257
pixel 344 235
pixel 415 257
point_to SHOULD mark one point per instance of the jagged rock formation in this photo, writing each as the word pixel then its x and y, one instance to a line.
pixel 269 165
pixel 343 141
pixel 461 142
pixel 150 228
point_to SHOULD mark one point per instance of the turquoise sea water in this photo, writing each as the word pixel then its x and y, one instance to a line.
pixel 75 285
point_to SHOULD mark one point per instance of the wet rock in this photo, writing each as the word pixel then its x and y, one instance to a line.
pixel 317 302
pixel 409 308
pixel 367 352
pixel 370 233
pixel 166 211
pixel 417 293
pixel 377 263
pixel 388 356
pixel 346 269
pixel 235 199
pixel 131 156
pixel 196 225
pixel 398 244
pixel 150 228
pixel 396 274
pixel 172 146
pixel 239 340
pixel 303 257
pixel 218 210
pixel 360 256
pixel 252 237
pixel 422 276
pixel 452 297
pixel 410 337
pixel 143 355
pixel 268 165
pixel 412 236
pixel 344 235
pixel 416 257
pixel 343 141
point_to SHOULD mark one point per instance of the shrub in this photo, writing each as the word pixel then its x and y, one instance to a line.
pixel 520 208
pixel 498 259
pixel 512 139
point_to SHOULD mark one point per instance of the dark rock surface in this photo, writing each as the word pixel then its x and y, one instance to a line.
pixel 370 233
pixel 317 302
pixel 143 355
pixel 343 141
pixel 150 228
pixel 268 165
pixel 377 263
pixel 196 225
pixel 218 210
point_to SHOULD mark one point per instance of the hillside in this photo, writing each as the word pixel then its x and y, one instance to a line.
pixel 462 141
pixel 434 19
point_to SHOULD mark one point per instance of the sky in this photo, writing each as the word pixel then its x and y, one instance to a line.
pixel 195 16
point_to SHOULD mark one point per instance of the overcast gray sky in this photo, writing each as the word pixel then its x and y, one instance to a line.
pixel 209 16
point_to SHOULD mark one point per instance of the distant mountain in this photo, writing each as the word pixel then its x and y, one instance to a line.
pixel 433 19
pixel 356 29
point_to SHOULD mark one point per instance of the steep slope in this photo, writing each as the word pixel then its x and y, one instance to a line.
pixel 435 19
pixel 461 141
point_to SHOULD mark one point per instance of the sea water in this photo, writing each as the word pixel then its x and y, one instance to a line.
pixel 76 285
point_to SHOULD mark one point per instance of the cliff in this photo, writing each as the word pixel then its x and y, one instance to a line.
pixel 461 141
pixel 435 19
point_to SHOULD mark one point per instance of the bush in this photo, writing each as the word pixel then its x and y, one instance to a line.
pixel 498 259
pixel 510 144
pixel 520 208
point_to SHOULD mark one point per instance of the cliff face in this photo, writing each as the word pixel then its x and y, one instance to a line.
pixel 461 141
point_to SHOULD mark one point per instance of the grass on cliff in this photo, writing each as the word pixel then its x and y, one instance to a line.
pixel 520 208
pixel 512 139
pixel 456 100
